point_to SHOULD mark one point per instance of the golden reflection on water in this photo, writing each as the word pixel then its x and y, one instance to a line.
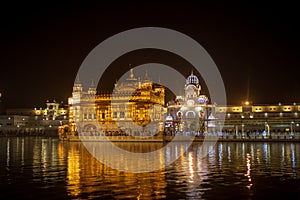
pixel 73 175
pixel 85 175
pixel 143 147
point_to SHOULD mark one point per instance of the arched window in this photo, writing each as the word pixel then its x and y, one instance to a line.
pixel 190 114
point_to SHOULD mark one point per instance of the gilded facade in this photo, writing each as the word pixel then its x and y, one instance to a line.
pixel 133 105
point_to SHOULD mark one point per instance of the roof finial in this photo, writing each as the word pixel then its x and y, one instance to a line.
pixel 92 83
pixel 192 71
pixel 131 74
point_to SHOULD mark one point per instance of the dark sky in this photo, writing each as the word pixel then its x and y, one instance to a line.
pixel 254 45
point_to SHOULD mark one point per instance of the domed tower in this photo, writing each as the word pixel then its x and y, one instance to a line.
pixel 77 88
pixel 192 87
pixel 77 93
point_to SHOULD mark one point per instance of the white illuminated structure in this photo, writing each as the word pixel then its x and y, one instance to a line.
pixel 190 113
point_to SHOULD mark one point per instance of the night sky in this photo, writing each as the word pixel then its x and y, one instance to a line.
pixel 254 45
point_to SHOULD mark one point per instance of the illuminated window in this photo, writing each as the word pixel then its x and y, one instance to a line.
pixel 115 115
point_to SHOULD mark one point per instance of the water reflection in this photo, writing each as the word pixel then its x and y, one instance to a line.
pixel 87 176
pixel 248 174
pixel 36 167
pixel 8 153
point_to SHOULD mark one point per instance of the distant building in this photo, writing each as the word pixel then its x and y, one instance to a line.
pixel 53 111
pixel 33 121
pixel 14 120
pixel 248 118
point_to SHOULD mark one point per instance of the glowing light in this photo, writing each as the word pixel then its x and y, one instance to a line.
pixel 191 170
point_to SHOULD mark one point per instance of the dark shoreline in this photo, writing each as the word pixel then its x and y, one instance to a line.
pixel 169 139
pixel 54 134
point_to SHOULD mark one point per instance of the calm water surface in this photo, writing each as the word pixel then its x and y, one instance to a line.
pixel 45 168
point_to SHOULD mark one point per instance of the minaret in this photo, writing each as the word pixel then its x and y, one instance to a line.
pixel 92 89
pixel 77 85
pixel 77 92
pixel 74 101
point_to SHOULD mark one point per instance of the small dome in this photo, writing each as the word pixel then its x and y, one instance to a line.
pixel 192 79
pixel 169 117
pixel 202 99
